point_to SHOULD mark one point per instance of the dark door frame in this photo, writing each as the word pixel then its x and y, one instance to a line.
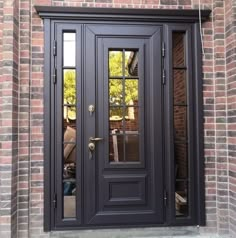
pixel 187 20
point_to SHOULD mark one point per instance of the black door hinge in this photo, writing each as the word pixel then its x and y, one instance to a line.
pixel 54 48
pixel 163 76
pixel 163 49
pixel 55 201
pixel 165 198
pixel 54 76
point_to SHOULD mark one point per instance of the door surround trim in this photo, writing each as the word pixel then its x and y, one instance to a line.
pixel 122 14
pixel 50 14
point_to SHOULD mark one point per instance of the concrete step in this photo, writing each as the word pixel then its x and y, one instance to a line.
pixel 163 232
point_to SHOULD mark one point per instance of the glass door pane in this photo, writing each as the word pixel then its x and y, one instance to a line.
pixel 69 125
pixel 180 113
pixel 123 106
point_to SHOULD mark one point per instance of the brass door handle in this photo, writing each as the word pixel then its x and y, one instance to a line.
pixel 95 139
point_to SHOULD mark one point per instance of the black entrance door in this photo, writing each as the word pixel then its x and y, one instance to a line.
pixel 109 150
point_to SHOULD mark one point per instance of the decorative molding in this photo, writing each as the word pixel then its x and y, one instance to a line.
pixel 121 14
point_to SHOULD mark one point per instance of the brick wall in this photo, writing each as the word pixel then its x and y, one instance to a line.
pixel 21 111
pixel 9 88
pixel 220 94
pixel 230 35
pixel 24 122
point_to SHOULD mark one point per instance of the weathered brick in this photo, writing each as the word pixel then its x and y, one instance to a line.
pixel 219 108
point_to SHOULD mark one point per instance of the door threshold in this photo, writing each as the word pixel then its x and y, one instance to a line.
pixel 148 232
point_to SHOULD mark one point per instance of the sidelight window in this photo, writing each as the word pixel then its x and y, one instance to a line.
pixel 180 106
pixel 69 125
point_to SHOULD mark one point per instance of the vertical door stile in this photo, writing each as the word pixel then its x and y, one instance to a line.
pixel 58 126
pixel 54 63
pixel 89 122
pixel 80 122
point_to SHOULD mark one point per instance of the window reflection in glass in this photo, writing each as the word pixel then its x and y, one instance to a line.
pixel 180 123
pixel 123 110
pixel 116 91
pixel 69 168
pixel 180 106
pixel 178 49
pixel 181 198
pixel 181 160
pixel 116 146
pixel 132 119
pixel 69 171
pixel 132 147
pixel 115 63
pixel 69 49
pixel 69 86
pixel 131 63
pixel 180 87
pixel 116 118
pixel 131 92
pixel 69 126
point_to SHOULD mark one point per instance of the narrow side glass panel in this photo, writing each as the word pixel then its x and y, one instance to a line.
pixel 69 126
pixel 178 49
pixel 181 160
pixel 69 49
pixel 180 87
pixel 69 87
pixel 181 198
pixel 180 126
pixel 180 123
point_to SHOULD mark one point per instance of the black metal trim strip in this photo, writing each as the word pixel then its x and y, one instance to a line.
pixel 199 121
pixel 47 128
